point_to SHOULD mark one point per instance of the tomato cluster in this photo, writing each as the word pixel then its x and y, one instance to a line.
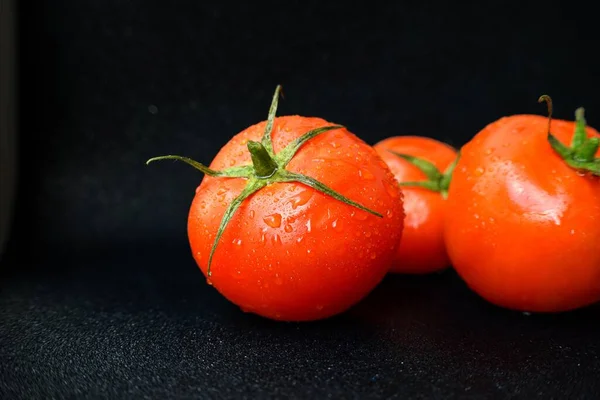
pixel 299 219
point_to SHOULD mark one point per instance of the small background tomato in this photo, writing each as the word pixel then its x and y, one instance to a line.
pixel 422 248
pixel 291 252
pixel 522 227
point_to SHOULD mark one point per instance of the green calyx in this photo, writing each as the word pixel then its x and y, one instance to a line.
pixel 266 168
pixel 437 181
pixel 581 154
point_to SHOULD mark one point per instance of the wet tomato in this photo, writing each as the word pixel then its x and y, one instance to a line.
pixel 295 219
pixel 423 167
pixel 523 218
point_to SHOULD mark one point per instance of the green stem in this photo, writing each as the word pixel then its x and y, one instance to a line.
pixel 264 165
pixel 581 154
pixel 436 180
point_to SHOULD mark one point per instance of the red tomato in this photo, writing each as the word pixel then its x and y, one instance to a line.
pixel 523 218
pixel 318 229
pixel 417 163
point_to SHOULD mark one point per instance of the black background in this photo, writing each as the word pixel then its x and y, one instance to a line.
pixel 99 296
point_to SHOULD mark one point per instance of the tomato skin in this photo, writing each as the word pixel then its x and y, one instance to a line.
pixel 422 249
pixel 522 227
pixel 291 252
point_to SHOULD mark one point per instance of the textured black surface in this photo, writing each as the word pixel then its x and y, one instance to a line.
pixel 99 297
pixel 143 325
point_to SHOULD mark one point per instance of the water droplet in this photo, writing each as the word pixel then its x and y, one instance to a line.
pixel 308 227
pixel 359 215
pixel 301 198
pixel 334 223
pixel 237 241
pixel 391 189
pixel 198 254
pixel 489 151
pixel 222 191
pixel 232 162
pixel 335 145
pixel 252 214
pixel 299 239
pixel 197 189
pixel 476 216
pixel 373 256
pixel 366 174
pixel 389 213
pixel 478 171
pixel 276 239
pixel 288 228
pixel 580 173
pixel 491 220
pixel 209 282
pixel 367 234
pixel 273 220
pixel 308 251
pixel 572 231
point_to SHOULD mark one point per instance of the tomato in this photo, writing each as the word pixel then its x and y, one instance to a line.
pixel 296 219
pixel 423 167
pixel 523 213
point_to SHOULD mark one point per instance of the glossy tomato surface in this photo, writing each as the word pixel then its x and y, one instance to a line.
pixel 291 252
pixel 422 248
pixel 522 227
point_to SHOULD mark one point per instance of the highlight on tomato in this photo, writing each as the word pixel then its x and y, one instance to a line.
pixel 295 218
pixel 423 168
pixel 523 213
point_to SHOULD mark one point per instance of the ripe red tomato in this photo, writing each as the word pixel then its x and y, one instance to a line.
pixel 423 167
pixel 523 218
pixel 306 218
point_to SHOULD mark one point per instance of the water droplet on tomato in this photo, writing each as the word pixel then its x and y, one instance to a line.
pixel 359 215
pixel 222 190
pixel 301 198
pixel 489 151
pixel 367 234
pixel 299 239
pixel 209 282
pixel 391 188
pixel 276 239
pixel 251 214
pixel 334 223
pixel 237 241
pixel 232 162
pixel 308 251
pixel 288 228
pixel 366 174
pixel 308 227
pixel 335 145
pixel 389 213
pixel 273 220
pixel 373 256
pixel 572 231
pixel 478 171
pixel 197 189
pixel 476 216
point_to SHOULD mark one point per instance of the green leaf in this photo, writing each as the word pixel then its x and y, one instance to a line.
pixel 286 155
pixel 430 170
pixel 234 172
pixel 252 187
pixel 266 141
pixel 287 176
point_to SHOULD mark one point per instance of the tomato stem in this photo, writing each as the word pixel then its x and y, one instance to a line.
pixel 264 165
pixel 436 180
pixel 581 154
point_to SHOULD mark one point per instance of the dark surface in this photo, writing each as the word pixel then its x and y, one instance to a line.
pixel 99 296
